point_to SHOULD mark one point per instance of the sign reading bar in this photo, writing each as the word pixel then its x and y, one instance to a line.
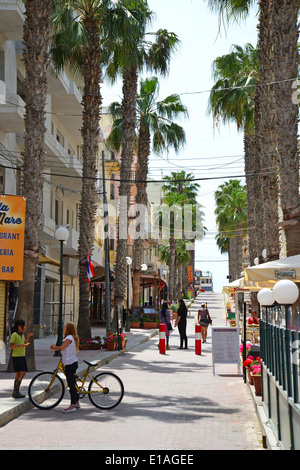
pixel 225 346
pixel 12 230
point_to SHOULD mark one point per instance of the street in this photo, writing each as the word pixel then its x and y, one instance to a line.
pixel 171 402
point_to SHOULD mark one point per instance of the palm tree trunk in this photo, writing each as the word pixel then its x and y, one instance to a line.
pixel 269 157
pixel 90 134
pixel 172 296
pixel 128 142
pixel 285 44
pixel 249 142
pixel 141 200
pixel 36 58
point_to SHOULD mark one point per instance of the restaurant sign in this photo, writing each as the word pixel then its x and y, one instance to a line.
pixel 12 231
pixel 285 274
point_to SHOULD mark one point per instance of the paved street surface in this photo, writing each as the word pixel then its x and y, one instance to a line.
pixel 171 402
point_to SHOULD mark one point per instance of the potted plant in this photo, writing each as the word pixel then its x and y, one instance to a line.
pixel 250 365
pixel 122 340
pixel 256 376
pixel 135 322
pixel 96 342
pixel 84 344
pixel 110 341
pixel 150 321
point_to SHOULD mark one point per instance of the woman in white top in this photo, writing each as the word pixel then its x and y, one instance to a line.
pixel 68 349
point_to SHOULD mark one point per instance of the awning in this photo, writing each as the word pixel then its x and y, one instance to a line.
pixel 151 279
pixel 240 285
pixel 43 259
pixel 285 268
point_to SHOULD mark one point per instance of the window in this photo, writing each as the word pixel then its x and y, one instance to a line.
pixel 60 138
pixel 69 218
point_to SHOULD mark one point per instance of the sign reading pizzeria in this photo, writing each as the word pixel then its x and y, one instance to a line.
pixel 12 231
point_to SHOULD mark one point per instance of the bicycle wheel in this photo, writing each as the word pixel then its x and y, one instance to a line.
pixel 43 397
pixel 106 391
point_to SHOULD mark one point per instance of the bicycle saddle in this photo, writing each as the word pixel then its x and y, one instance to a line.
pixel 91 364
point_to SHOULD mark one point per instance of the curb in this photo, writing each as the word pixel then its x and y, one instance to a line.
pixel 18 408
pixel 269 440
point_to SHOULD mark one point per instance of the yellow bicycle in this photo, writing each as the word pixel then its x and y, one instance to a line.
pixel 105 390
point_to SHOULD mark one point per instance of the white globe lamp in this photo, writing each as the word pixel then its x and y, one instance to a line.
pixel 285 292
pixel 265 297
pixel 62 234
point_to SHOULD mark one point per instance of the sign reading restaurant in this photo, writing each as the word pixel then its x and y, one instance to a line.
pixel 12 230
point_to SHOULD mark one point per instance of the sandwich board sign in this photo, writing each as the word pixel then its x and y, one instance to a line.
pixel 225 346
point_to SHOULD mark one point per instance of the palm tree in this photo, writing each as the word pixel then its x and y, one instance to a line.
pixel 36 38
pixel 232 100
pixel 286 63
pixel 180 194
pixel 231 212
pixel 77 38
pixel 155 122
pixel 131 54
pixel 275 113
pixel 83 40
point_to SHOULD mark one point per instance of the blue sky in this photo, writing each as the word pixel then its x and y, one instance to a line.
pixel 210 152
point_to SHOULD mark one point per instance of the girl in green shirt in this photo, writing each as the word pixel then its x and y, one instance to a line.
pixel 18 343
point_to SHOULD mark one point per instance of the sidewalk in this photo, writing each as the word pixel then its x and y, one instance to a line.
pixel 212 415
pixel 11 408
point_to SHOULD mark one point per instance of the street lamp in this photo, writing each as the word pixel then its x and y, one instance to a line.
pixel 144 267
pixel 129 262
pixel 62 235
pixel 265 297
pixel 286 293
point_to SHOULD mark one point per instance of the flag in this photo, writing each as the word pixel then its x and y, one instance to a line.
pixel 89 269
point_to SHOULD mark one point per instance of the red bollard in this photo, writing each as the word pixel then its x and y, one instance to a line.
pixel 162 338
pixel 198 340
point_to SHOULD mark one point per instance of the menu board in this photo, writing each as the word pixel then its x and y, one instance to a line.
pixel 225 346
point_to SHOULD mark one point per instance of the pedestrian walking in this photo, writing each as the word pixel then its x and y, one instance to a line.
pixel 181 323
pixel 68 350
pixel 165 317
pixel 204 320
pixel 18 345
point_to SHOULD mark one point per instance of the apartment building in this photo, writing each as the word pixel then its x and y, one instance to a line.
pixel 62 175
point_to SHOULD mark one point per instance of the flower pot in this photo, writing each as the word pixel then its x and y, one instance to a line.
pixel 95 346
pixel 111 346
pixel 84 347
pixel 150 325
pixel 249 375
pixel 257 383
pixel 135 324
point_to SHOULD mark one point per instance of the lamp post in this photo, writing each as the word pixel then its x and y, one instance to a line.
pixel 62 235
pixel 286 293
pixel 129 262
pixel 144 267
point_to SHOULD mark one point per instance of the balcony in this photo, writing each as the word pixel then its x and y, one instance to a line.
pixel 11 19
pixel 12 109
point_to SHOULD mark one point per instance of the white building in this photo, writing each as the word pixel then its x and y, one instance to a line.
pixel 62 176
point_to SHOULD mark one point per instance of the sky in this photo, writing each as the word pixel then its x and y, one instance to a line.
pixel 211 152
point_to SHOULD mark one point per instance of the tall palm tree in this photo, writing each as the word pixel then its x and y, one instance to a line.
pixel 231 217
pixel 36 38
pixel 232 99
pixel 131 54
pixel 286 63
pixel 83 40
pixel 77 39
pixel 278 62
pixel 155 123
pixel 181 193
